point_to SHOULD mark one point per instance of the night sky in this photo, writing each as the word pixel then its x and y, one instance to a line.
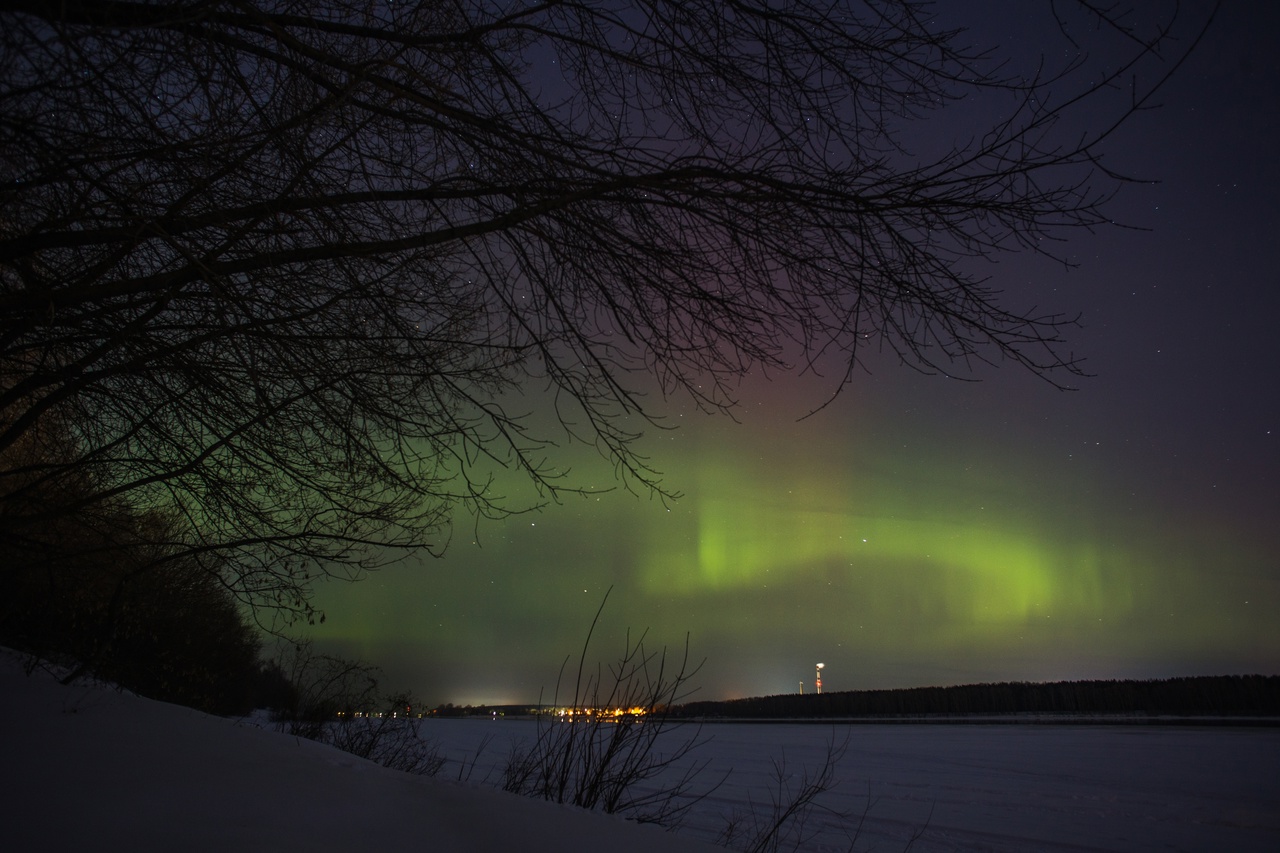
pixel 923 530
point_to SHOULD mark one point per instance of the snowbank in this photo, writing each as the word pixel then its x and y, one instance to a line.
pixel 88 766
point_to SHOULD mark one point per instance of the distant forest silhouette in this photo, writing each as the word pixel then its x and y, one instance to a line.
pixel 1202 696
pixel 1229 697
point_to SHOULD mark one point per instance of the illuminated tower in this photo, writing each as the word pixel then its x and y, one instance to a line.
pixel 817 682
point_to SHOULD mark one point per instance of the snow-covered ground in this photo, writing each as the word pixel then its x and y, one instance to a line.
pixel 89 768
pixel 92 768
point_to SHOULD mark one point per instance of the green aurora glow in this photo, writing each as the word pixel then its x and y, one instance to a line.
pixel 895 566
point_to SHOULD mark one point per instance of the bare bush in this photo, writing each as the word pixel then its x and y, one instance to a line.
pixel 783 823
pixel 608 748
pixel 391 741
pixel 339 702
pixel 326 688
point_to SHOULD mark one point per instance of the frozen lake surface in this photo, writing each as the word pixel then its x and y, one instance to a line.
pixel 971 787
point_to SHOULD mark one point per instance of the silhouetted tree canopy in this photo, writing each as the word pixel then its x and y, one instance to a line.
pixel 269 268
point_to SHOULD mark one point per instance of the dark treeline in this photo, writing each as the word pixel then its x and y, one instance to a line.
pixel 1222 695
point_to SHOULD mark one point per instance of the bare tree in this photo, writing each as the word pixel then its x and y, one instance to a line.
pixel 273 266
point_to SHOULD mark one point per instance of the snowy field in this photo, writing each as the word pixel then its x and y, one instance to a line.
pixel 976 787
pixel 85 768
pixel 92 768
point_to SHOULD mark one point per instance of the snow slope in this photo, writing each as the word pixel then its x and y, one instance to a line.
pixel 88 767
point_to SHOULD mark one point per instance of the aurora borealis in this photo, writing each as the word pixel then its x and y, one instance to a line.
pixel 922 530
